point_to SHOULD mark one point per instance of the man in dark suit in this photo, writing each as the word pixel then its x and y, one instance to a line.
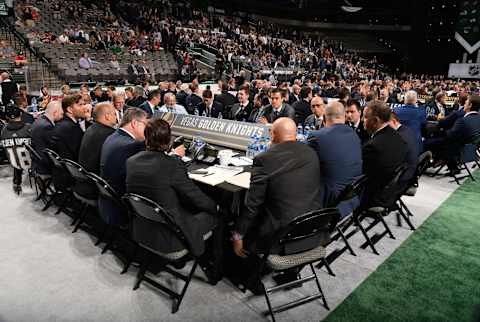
pixel 277 108
pixel 316 120
pixel 194 99
pixel 67 134
pixel 42 130
pixel 241 110
pixel 271 203
pixel 132 72
pixel 126 141
pixel 408 136
pixel 9 88
pixel 295 95
pixel 209 107
pixel 381 155
pixel 353 115
pixel 150 105
pixel 137 98
pixel 302 106
pixel 412 116
pixel 436 109
pixel 182 95
pixel 341 162
pixel 92 142
pixel 225 98
pixel 163 178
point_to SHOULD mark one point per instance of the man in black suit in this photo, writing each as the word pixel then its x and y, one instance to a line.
pixel 353 115
pixel 150 105
pixel 132 72
pixel 209 107
pixel 295 95
pixel 241 110
pixel 302 106
pixel 182 95
pixel 42 130
pixel 92 142
pixel 408 135
pixel 194 99
pixel 277 108
pixel 9 88
pixel 382 155
pixel 271 203
pixel 164 179
pixel 340 154
pixel 316 120
pixel 67 134
pixel 137 98
pixel 225 98
pixel 126 141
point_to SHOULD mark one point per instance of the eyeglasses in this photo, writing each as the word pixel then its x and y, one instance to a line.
pixel 316 105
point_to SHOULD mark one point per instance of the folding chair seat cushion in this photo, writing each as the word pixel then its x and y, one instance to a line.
pixel 173 256
pixel 87 201
pixel 279 262
pixel 376 210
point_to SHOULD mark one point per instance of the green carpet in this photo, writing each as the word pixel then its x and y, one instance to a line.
pixel 433 276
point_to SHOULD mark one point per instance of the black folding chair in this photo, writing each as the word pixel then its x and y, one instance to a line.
pixel 61 179
pixel 42 183
pixel 378 212
pixel 355 189
pixel 79 174
pixel 318 225
pixel 467 155
pixel 410 190
pixel 147 211
pixel 111 232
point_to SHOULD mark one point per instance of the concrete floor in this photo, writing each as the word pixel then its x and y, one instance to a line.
pixel 49 274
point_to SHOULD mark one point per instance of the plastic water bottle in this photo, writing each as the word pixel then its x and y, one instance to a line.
pixel 306 132
pixel 300 133
pixel 34 105
pixel 220 116
pixel 195 112
pixel 251 148
pixel 204 114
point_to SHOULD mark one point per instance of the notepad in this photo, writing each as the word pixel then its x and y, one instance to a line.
pixel 240 180
pixel 216 174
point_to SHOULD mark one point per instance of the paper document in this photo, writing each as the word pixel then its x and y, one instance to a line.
pixel 241 161
pixel 216 174
pixel 241 180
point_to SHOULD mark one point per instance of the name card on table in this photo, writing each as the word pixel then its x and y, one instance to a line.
pixel 221 132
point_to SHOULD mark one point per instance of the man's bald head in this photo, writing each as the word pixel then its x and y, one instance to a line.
pixel 105 114
pixel 334 113
pixel 54 111
pixel 284 130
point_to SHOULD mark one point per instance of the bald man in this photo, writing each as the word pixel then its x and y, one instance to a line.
pixel 281 188
pixel 339 152
pixel 42 132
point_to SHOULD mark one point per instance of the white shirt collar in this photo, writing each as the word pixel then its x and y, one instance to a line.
pixel 124 130
pixel 472 112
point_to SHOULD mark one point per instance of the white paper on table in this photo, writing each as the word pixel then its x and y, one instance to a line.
pixel 241 180
pixel 216 174
pixel 241 161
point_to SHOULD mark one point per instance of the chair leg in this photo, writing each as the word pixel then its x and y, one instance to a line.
pixel 102 235
pixel 109 241
pixel 327 266
pixel 81 217
pixel 369 242
pixel 141 273
pixel 267 299
pixel 406 218
pixel 65 201
pixel 320 288
pixel 387 228
pixel 345 240
pixel 130 260
pixel 50 201
pixel 469 172
pixel 177 303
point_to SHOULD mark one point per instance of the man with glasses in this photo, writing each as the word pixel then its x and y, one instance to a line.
pixel 277 108
pixel 171 105
pixel 119 104
pixel 316 120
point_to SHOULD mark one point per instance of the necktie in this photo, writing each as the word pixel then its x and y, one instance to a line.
pixel 276 114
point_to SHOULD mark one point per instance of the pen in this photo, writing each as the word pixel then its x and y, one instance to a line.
pixel 208 174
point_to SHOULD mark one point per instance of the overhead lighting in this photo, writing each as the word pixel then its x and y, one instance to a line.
pixel 351 9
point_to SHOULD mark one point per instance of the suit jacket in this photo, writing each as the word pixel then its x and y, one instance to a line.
pixel 215 110
pixel 146 107
pixel 116 149
pixel 226 99
pixel 238 114
pixel 9 89
pixel 313 123
pixel 361 131
pixel 448 122
pixel 415 118
pixel 66 139
pixel 286 111
pixel 192 101
pixel 382 154
pixel 182 98
pixel 412 151
pixel 302 111
pixel 89 156
pixel 292 99
pixel 42 130
pixel 164 179
pixel 135 102
pixel 271 203
pixel 463 129
pixel 340 163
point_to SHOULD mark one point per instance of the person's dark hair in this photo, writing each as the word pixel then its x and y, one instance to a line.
pixel 276 90
pixel 132 113
pixel 20 100
pixel 22 88
pixel 245 88
pixel 371 96
pixel 305 91
pixel 207 94
pixel 354 102
pixel 475 101
pixel 154 94
pixel 343 93
pixel 157 135
pixel 112 88
pixel 193 87
pixel 394 116
pixel 379 109
pixel 224 86
pixel 129 89
pixel 98 87
pixel 69 100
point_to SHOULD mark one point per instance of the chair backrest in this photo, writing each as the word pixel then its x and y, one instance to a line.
pixel 34 154
pixel 76 171
pixel 423 161
pixel 151 211
pixel 54 158
pixel 105 190
pixel 397 175
pixel 353 189
pixel 317 223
